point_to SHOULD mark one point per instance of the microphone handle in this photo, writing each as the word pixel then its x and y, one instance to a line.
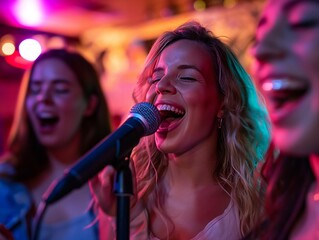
pixel 110 149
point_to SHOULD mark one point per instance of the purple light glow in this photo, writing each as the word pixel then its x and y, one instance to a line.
pixel 28 12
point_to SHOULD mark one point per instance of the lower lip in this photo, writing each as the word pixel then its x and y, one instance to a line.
pixel 283 113
pixel 47 129
pixel 173 125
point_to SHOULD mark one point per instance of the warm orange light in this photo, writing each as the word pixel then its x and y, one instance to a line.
pixel 8 48
pixel 199 5
pixel 230 3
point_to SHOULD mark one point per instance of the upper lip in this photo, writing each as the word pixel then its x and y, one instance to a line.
pixel 45 114
pixel 266 72
pixel 271 76
pixel 281 76
pixel 280 88
pixel 177 107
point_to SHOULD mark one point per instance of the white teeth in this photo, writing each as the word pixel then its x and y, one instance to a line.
pixel 282 84
pixel 46 115
pixel 166 107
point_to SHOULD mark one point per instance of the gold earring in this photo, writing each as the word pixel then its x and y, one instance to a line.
pixel 219 122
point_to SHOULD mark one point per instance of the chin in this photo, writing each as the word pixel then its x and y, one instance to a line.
pixel 291 145
pixel 165 149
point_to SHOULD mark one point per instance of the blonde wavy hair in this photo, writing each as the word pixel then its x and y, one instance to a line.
pixel 243 138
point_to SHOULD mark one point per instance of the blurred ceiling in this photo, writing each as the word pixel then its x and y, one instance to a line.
pixel 109 26
pixel 73 17
pixel 96 23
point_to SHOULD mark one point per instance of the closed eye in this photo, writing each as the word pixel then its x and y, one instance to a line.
pixel 61 86
pixel 305 24
pixel 60 89
pixel 153 80
pixel 34 88
pixel 188 78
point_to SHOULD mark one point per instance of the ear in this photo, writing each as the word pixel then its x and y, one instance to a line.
pixel 91 106
pixel 220 113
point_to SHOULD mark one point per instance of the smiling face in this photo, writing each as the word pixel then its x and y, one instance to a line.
pixel 287 70
pixel 55 103
pixel 184 89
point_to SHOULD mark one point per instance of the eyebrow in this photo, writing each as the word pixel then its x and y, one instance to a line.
pixel 61 80
pixel 181 67
pixel 56 80
pixel 287 7
pixel 293 3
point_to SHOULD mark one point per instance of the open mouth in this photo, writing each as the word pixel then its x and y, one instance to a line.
pixel 282 91
pixel 47 120
pixel 169 114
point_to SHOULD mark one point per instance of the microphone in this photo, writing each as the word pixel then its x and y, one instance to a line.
pixel 143 120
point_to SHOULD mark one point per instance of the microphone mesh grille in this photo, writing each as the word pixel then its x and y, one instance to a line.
pixel 150 114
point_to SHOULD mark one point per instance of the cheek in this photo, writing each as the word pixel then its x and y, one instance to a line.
pixel 204 112
pixel 72 111
pixel 78 109
pixel 314 62
pixel 308 55
pixel 71 103
pixel 210 107
pixel 29 106
pixel 71 119
pixel 150 94
pixel 206 98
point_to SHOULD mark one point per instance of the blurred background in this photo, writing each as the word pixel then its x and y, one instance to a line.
pixel 114 35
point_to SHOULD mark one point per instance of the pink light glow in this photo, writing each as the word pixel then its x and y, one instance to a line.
pixel 28 12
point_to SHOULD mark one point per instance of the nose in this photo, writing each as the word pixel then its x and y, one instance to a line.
pixel 45 95
pixel 270 42
pixel 165 86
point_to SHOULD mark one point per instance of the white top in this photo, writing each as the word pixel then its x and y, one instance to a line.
pixel 223 227
pixel 308 226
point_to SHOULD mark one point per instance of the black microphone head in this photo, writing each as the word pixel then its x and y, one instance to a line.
pixel 149 116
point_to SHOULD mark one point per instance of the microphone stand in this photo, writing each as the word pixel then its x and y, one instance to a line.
pixel 123 189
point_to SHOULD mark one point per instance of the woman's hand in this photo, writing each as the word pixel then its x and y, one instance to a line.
pixel 5 234
pixel 102 188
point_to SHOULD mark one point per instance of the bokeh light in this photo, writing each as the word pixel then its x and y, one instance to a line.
pixel 199 5
pixel 28 12
pixel 8 48
pixel 30 49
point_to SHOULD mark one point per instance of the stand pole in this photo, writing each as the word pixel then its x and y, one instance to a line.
pixel 123 190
